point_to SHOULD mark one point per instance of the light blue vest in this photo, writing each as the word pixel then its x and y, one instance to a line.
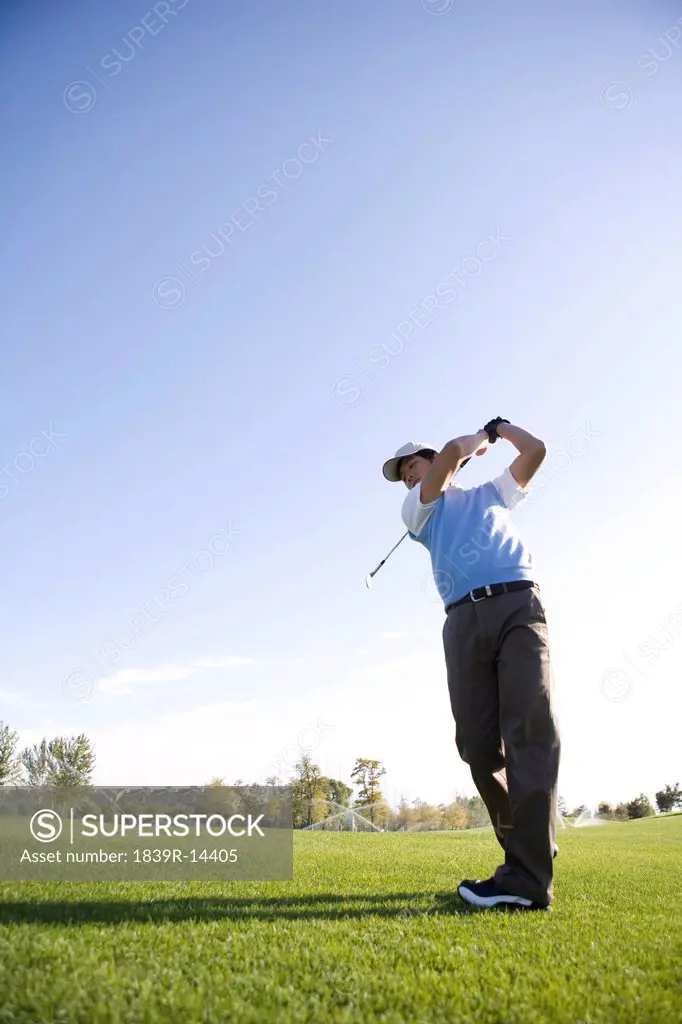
pixel 473 541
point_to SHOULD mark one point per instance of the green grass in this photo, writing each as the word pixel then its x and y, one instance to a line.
pixel 369 930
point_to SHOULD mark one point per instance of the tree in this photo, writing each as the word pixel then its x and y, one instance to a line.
pixel 36 764
pixel 214 801
pixel 403 816
pixel 275 805
pixel 309 785
pixel 620 813
pixel 476 810
pixel 367 773
pixel 338 792
pixel 605 810
pixel 562 807
pixel 577 811
pixel 380 813
pixel 10 764
pixel 640 807
pixel 668 798
pixel 426 816
pixel 454 816
pixel 72 761
pixel 64 761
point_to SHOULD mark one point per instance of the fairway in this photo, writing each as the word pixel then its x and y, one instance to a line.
pixel 370 929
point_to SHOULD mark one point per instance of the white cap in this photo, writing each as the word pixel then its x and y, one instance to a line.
pixel 411 448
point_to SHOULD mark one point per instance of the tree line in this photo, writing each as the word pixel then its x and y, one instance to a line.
pixel 667 799
pixel 319 801
pixel 329 804
pixel 62 761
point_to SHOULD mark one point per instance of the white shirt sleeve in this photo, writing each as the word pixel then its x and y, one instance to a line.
pixel 508 489
pixel 414 514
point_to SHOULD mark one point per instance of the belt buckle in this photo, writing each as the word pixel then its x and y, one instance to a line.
pixel 488 593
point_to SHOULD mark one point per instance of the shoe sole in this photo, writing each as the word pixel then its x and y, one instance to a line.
pixel 491 902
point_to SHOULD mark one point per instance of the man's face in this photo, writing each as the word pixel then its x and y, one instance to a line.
pixel 413 470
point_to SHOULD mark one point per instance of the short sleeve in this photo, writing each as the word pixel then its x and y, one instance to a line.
pixel 415 514
pixel 508 489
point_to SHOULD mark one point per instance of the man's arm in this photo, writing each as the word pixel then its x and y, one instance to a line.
pixel 448 461
pixel 531 450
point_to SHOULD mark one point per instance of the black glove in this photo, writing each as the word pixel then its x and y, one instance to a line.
pixel 491 428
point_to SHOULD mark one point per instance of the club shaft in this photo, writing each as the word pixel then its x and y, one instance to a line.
pixel 396 545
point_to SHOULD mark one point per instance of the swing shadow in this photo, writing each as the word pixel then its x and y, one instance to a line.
pixel 326 906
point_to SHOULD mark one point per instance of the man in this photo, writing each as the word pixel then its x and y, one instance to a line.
pixel 496 647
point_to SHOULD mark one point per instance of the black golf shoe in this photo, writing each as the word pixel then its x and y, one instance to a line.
pixel 488 895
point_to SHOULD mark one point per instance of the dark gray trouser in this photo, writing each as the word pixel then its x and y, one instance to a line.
pixel 497 658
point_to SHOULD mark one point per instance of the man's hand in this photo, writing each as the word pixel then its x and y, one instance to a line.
pixel 491 428
pixel 484 448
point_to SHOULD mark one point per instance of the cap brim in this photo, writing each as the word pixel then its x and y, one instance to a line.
pixel 391 470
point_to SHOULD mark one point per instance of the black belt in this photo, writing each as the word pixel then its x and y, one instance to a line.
pixel 492 590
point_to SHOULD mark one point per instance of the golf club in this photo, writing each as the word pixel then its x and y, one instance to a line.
pixel 368 577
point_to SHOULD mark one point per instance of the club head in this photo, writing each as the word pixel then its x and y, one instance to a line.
pixel 368 580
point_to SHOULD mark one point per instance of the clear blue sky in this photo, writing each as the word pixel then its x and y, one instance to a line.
pixel 257 403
